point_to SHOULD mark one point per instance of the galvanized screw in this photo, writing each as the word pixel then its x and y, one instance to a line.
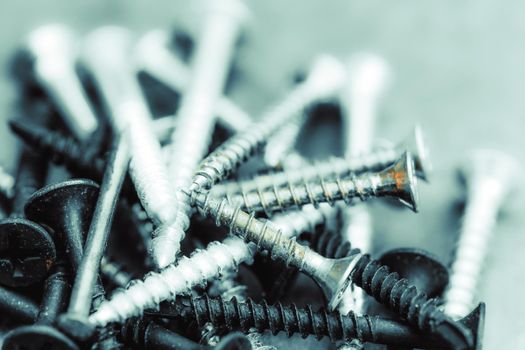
pixel 375 161
pixel 54 50
pixel 489 176
pixel 324 80
pixel 335 275
pixel 153 56
pixel 397 181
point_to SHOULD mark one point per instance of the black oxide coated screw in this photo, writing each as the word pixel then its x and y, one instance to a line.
pixel 148 335
pixel 235 315
pixel 42 335
pixel 17 307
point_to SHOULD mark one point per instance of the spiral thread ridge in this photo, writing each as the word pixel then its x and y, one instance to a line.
pixel 332 245
pixel 201 266
pixel 322 190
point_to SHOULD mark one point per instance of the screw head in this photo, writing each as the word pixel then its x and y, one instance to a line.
pixel 27 253
pixel 420 267
pixel 475 321
pixel 37 337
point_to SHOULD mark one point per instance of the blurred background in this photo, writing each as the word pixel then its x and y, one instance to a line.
pixel 457 70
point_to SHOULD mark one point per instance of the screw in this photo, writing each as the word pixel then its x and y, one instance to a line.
pixel 372 162
pixel 324 79
pixel 54 51
pixel 66 208
pixel 106 53
pixel 334 275
pixel 149 335
pixel 42 335
pixel 114 273
pixel 172 280
pixel 282 143
pixel 230 315
pixel 154 57
pixel 196 115
pixel 80 302
pixel 6 183
pixel 489 176
pixel 18 307
pixel 397 181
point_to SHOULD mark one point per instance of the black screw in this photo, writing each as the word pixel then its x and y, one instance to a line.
pixel 420 267
pixel 17 307
pixel 234 315
pixel 27 251
pixel 146 334
pixel 66 208
pixel 42 335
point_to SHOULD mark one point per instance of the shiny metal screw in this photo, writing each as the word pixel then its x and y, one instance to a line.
pixel 107 52
pixel 153 56
pixel 173 280
pixel 196 115
pixel 54 49
pixel 489 175
pixel 280 147
pixel 397 181
pixel 323 81
pixel 375 161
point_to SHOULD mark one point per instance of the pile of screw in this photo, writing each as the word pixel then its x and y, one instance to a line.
pixel 97 109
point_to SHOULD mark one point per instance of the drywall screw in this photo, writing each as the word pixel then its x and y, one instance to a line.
pixel 153 56
pixel 489 176
pixel 335 275
pixel 201 266
pixel 17 307
pixel 42 335
pixel 96 240
pixel 150 335
pixel 106 53
pixel 196 114
pixel 6 183
pixel 397 181
pixel 375 161
pixel 323 81
pixel 232 314
pixel 54 51
pixel 66 208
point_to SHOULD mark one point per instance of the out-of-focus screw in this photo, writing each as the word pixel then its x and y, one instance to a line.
pixel 17 307
pixel 279 149
pixel 114 273
pixel 6 183
pixel 375 161
pixel 173 280
pixel 149 335
pixel 323 81
pixel 107 52
pixel 42 335
pixel 96 240
pixel 196 114
pixel 397 181
pixel 54 51
pixel 335 275
pixel 153 56
pixel 232 314
pixel 489 175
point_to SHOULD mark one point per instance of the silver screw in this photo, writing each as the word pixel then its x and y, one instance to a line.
pixel 489 176
pixel 282 143
pixel 368 76
pixel 332 275
pixel 153 56
pixel 55 52
pixel 377 160
pixel 107 55
pixel 397 181
pixel 196 115
pixel 293 223
pixel 173 280
pixel 324 80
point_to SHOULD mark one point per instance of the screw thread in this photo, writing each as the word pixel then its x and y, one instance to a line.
pixel 307 219
pixel 327 170
pixel 405 299
pixel 173 280
pixel 322 190
pixel 332 245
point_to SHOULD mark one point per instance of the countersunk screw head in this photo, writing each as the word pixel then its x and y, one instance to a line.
pixel 27 253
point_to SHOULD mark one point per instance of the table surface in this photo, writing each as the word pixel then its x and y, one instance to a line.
pixel 456 68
